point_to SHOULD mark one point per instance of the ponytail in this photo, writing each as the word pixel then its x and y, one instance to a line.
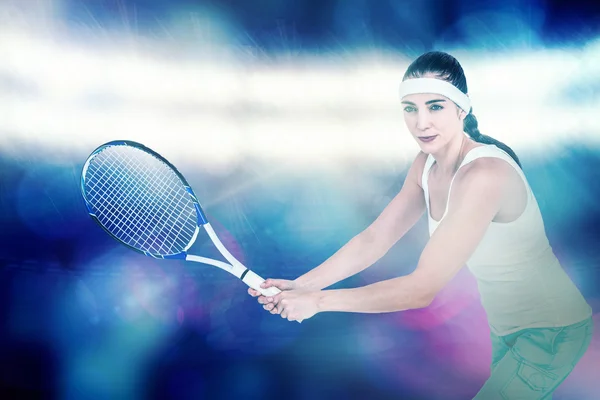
pixel 471 127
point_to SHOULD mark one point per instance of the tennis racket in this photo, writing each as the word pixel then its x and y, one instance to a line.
pixel 144 202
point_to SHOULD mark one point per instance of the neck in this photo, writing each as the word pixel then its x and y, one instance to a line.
pixel 449 157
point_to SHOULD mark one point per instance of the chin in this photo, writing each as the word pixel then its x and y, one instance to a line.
pixel 432 146
pixel 428 148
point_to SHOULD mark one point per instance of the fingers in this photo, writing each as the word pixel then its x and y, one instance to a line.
pixel 255 293
pixel 261 299
pixel 281 284
pixel 266 300
pixel 283 313
pixel 271 282
pixel 275 299
pixel 283 308
pixel 273 304
pixel 271 291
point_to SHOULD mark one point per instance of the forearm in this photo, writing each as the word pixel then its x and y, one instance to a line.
pixel 391 295
pixel 358 254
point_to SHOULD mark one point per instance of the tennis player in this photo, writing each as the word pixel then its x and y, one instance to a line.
pixel 481 213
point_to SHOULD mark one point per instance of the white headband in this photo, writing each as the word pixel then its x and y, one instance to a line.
pixel 437 86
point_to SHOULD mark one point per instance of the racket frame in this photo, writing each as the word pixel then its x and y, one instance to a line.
pixel 235 267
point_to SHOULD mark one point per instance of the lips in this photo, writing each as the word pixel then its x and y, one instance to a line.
pixel 427 138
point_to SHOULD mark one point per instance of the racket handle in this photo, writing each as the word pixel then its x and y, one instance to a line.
pixel 254 281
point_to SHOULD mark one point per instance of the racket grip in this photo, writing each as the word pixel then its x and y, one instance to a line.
pixel 254 281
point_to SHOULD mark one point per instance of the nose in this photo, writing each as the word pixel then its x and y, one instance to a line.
pixel 423 120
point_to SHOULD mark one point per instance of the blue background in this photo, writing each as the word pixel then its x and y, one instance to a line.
pixel 84 318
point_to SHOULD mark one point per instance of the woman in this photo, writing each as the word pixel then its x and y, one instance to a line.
pixel 481 212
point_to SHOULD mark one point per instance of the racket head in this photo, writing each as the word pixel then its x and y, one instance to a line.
pixel 140 199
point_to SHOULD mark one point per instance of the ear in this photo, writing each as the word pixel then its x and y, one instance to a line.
pixel 461 114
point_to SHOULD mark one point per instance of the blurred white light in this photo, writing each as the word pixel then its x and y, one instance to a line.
pixel 308 110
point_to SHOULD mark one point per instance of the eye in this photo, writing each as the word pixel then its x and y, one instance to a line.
pixel 410 109
pixel 436 107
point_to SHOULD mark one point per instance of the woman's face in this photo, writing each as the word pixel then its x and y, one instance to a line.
pixel 432 119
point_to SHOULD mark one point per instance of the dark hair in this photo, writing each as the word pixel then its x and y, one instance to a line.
pixel 446 67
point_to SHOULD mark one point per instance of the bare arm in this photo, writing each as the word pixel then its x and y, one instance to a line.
pixel 374 242
pixel 473 204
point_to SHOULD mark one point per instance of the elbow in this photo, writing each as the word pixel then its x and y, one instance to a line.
pixel 412 303
pixel 368 237
pixel 423 301
pixel 422 293
pixel 377 242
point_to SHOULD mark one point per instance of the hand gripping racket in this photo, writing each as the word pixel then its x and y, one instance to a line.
pixel 144 202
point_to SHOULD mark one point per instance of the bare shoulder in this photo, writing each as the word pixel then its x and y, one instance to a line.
pixel 487 175
pixel 488 166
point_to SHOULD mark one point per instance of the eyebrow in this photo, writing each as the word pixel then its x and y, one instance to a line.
pixel 427 102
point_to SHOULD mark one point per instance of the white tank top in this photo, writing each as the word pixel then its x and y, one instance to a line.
pixel 520 281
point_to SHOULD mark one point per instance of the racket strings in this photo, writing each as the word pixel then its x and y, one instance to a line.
pixel 115 190
pixel 170 220
pixel 152 217
pixel 119 217
pixel 140 200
